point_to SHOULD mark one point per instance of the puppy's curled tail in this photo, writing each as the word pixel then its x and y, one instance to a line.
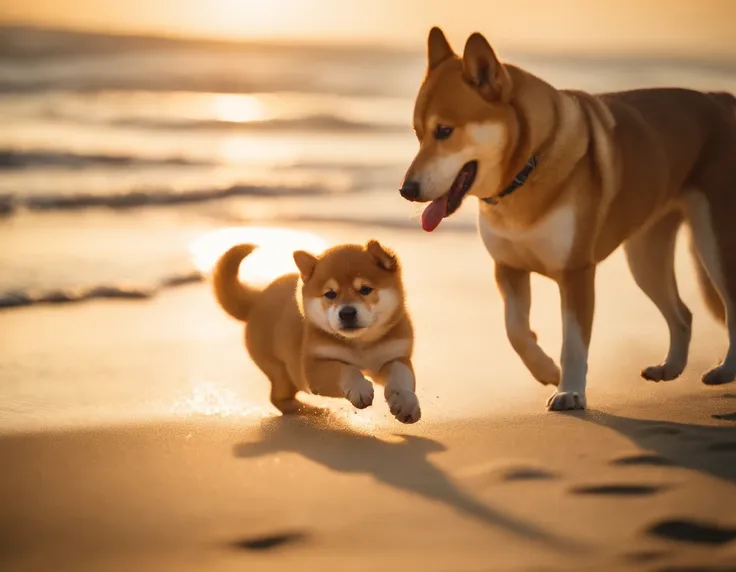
pixel 235 298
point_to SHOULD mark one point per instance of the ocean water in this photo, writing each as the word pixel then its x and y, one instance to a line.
pixel 118 154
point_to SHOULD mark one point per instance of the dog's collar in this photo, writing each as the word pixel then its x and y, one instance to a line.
pixel 518 181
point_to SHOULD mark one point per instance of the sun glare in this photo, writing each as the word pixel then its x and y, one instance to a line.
pixel 272 258
pixel 238 108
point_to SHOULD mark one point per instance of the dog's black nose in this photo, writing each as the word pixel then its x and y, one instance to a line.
pixel 409 190
pixel 348 315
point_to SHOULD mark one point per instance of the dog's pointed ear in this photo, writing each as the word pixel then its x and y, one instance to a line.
pixel 306 263
pixel 385 258
pixel 484 71
pixel 438 48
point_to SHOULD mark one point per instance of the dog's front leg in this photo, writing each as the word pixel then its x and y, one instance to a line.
pixel 333 378
pixel 515 288
pixel 577 295
pixel 398 378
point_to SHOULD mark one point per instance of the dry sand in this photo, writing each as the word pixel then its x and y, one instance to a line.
pixel 112 479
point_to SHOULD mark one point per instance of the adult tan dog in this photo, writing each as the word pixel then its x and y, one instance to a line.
pixel 319 330
pixel 565 178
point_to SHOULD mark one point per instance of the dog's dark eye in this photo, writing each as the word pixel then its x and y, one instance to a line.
pixel 365 290
pixel 330 294
pixel 442 132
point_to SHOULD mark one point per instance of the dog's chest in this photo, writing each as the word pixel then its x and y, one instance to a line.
pixel 543 247
pixel 371 358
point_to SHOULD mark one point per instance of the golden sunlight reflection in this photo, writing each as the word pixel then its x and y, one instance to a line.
pixel 272 258
pixel 366 420
pixel 341 412
pixel 208 398
pixel 360 419
pixel 238 108
pixel 229 107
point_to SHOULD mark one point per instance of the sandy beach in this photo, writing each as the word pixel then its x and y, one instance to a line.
pixel 195 470
pixel 136 433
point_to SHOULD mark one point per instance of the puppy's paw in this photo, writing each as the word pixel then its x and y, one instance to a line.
pixel 718 376
pixel 288 406
pixel 404 405
pixel 359 392
pixel 664 372
pixel 566 400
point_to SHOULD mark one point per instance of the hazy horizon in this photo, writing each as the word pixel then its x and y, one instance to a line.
pixel 679 28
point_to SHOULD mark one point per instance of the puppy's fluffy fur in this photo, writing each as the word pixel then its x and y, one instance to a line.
pixel 321 330
pixel 598 171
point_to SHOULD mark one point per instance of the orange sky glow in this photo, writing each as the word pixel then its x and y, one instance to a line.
pixel 697 27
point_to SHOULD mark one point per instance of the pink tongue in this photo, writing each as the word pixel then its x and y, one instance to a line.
pixel 434 213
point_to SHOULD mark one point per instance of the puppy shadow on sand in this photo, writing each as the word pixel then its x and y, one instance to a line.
pixel 704 448
pixel 328 440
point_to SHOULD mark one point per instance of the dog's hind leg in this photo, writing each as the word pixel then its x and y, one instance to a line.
pixel 651 256
pixel 714 236
pixel 515 288
pixel 283 390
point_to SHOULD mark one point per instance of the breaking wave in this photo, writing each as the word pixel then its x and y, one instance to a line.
pixel 21 298
pixel 130 199
pixel 309 123
pixel 11 159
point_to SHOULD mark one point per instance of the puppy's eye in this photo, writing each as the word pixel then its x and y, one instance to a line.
pixel 442 132
pixel 365 290
pixel 330 294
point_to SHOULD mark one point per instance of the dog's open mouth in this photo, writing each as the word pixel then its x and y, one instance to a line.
pixel 452 199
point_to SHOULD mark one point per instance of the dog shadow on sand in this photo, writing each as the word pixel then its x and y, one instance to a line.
pixel 328 440
pixel 708 449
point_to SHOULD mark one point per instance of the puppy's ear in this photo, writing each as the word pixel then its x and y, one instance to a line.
pixel 438 48
pixel 385 258
pixel 484 71
pixel 306 263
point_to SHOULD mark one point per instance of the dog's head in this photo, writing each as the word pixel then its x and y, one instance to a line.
pixel 351 291
pixel 465 126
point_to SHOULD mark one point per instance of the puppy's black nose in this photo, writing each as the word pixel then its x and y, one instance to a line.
pixel 347 315
pixel 409 190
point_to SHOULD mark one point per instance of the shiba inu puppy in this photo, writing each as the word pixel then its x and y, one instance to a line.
pixel 320 330
pixel 564 178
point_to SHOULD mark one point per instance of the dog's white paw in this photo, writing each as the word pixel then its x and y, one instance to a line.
pixel 566 400
pixel 718 376
pixel 404 405
pixel 359 392
pixel 664 372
